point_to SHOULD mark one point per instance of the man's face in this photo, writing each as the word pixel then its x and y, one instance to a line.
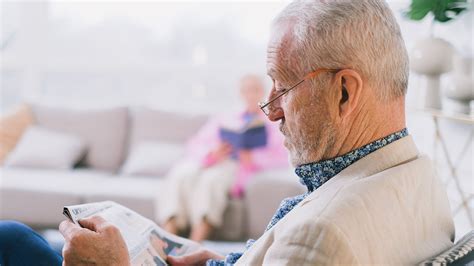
pixel 304 113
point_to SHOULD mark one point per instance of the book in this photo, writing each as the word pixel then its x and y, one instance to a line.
pixel 148 244
pixel 251 136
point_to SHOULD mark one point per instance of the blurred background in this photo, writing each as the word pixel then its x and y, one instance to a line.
pixel 184 59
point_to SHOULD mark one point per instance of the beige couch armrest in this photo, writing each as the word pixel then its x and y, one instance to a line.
pixel 263 196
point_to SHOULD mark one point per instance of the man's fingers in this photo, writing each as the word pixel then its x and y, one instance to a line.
pixel 198 257
pixel 68 229
pixel 178 261
pixel 190 259
pixel 94 223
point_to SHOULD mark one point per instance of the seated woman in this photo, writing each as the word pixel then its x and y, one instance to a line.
pixel 198 187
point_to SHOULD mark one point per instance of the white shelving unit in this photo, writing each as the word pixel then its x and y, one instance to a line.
pixel 452 161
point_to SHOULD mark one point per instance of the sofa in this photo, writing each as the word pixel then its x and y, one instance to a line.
pixel 36 195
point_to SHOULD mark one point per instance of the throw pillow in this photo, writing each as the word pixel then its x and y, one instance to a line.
pixel 44 148
pixel 105 131
pixel 12 126
pixel 152 158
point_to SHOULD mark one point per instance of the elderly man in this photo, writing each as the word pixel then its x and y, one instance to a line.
pixel 340 74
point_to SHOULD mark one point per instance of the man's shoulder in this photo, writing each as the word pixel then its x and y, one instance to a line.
pixel 357 191
pixel 398 187
pixel 385 216
pixel 395 194
pixel 386 210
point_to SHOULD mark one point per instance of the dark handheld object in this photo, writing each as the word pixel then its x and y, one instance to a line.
pixel 251 138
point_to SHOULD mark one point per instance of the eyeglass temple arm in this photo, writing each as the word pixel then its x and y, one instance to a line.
pixel 309 76
pixel 283 92
pixel 319 71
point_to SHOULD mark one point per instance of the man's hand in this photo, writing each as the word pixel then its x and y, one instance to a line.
pixel 196 258
pixel 97 243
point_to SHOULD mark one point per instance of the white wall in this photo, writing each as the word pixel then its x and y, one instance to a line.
pixel 153 53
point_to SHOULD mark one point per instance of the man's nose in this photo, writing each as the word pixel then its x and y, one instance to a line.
pixel 275 111
pixel 276 114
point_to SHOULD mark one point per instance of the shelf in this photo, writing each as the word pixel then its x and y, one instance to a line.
pixel 464 118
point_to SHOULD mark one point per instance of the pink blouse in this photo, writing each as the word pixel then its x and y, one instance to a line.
pixel 273 155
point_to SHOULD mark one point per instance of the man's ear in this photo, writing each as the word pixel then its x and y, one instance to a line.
pixel 349 91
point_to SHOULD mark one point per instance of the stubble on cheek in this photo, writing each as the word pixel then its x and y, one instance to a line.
pixel 310 135
pixel 295 132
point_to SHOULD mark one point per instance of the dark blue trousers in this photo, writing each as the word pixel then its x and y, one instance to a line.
pixel 20 245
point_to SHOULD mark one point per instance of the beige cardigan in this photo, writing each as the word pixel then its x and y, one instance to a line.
pixel 387 208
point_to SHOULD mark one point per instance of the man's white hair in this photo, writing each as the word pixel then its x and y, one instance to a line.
pixel 358 34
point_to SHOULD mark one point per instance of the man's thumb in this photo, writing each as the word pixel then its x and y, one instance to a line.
pixel 93 223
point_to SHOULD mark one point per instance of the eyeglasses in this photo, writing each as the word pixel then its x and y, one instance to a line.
pixel 265 106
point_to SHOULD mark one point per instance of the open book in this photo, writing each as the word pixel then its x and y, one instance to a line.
pixel 253 135
pixel 147 243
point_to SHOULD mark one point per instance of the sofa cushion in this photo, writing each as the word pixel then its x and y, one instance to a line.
pixel 152 158
pixel 104 131
pixel 233 226
pixel 263 195
pixel 139 193
pixel 44 148
pixel 12 126
pixel 83 182
pixel 36 197
pixel 149 124
pixel 77 181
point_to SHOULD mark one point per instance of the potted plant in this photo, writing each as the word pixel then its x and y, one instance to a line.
pixel 442 10
pixel 432 56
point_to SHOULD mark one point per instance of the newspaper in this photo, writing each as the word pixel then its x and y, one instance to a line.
pixel 147 243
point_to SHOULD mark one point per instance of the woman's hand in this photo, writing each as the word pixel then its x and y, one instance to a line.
pixel 245 157
pixel 217 155
pixel 222 151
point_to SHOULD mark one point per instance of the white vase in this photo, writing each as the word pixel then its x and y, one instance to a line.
pixel 432 57
pixel 460 91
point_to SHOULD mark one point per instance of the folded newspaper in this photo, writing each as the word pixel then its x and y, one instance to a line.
pixel 147 243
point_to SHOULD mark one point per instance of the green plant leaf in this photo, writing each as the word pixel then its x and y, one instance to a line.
pixel 422 4
pixel 439 10
pixel 419 9
pixel 457 10
pixel 457 3
pixel 441 17
pixel 417 14
pixel 457 6
pixel 443 10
